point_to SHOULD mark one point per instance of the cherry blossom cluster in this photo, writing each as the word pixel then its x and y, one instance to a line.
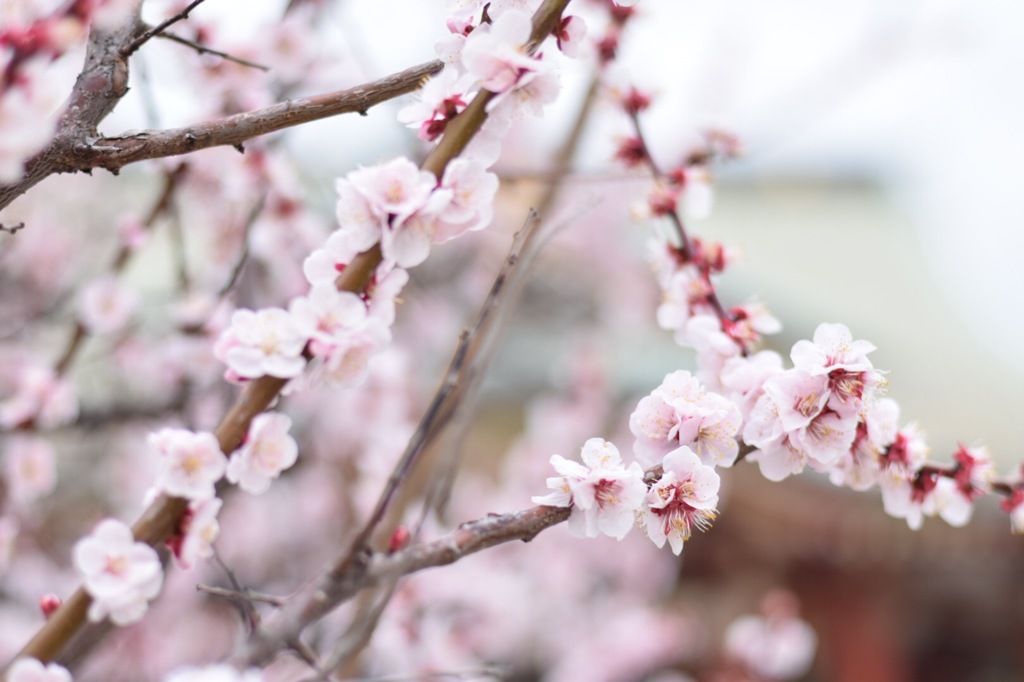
pixel 682 432
pixel 826 412
pixel 487 49
pixel 394 205
pixel 401 209
pixel 122 575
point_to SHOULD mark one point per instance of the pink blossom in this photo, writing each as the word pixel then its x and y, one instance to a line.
pixel 974 471
pixel 698 193
pixel 408 243
pixel 742 377
pixel 835 354
pixel 472 197
pixel 326 315
pixel 1013 505
pixel 387 284
pixel 267 451
pixel 530 96
pixel 439 100
pixel 928 494
pixel 29 468
pixel 684 498
pixel 950 503
pixel 191 463
pixel 200 529
pixel 569 34
pixel 121 575
pixel 682 288
pixel 790 424
pixel 714 347
pixel 31 670
pixel 463 9
pixel 602 492
pixel 394 190
pixel 907 453
pixel 327 262
pixel 105 306
pixel 265 342
pixel 860 467
pixel 749 322
pixel 360 224
pixel 494 54
pixel 41 397
pixel 777 646
pixel 681 412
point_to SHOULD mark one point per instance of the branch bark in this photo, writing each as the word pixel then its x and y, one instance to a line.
pixel 77 147
pixel 468 538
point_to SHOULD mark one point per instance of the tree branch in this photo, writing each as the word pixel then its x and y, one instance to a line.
pixel 77 146
pixel 468 538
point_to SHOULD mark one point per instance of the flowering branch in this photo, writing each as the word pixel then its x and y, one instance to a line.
pixel 160 520
pixel 112 153
pixel 76 147
pixel 377 567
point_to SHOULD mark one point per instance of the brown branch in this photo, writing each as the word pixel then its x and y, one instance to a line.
pixel 203 49
pixel 159 28
pixel 468 538
pixel 77 147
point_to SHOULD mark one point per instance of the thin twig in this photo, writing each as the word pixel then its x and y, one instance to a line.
pixel 202 49
pixel 12 229
pixel 472 674
pixel 78 148
pixel 444 405
pixel 159 28
pixel 243 256
pixel 243 597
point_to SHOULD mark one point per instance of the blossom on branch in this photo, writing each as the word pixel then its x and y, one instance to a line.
pixel 494 54
pixel 40 396
pixel 683 499
pixel 105 306
pixel 196 532
pixel 262 343
pixel 121 575
pixel 29 468
pixel 267 451
pixel 603 493
pixel 191 463
pixel 31 670
pixel 682 412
